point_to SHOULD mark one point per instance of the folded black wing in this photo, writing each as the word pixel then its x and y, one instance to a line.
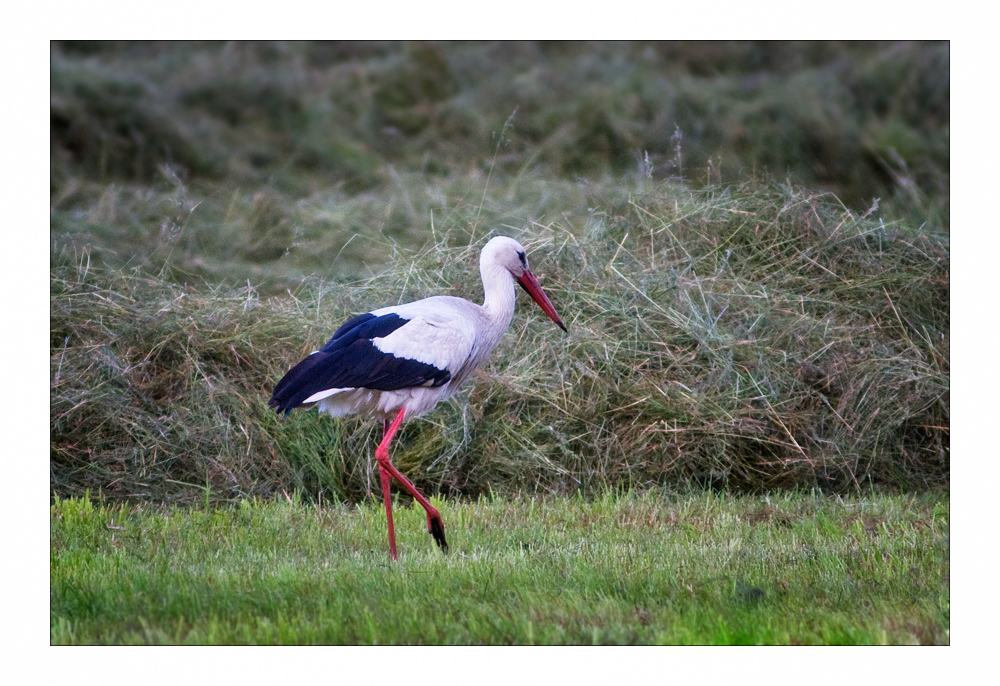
pixel 351 360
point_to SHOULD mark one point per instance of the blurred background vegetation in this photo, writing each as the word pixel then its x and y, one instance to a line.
pixel 749 242
pixel 270 161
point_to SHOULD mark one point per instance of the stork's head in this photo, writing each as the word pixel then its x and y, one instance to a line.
pixel 510 255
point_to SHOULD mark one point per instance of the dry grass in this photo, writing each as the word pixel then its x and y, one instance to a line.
pixel 749 338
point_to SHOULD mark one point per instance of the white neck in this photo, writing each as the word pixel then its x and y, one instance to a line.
pixel 499 295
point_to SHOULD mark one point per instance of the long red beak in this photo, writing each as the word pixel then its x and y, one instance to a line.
pixel 530 284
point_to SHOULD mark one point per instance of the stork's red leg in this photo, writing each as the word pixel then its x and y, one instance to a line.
pixel 384 474
pixel 385 477
pixel 434 524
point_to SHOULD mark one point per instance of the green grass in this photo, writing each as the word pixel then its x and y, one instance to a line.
pixel 625 568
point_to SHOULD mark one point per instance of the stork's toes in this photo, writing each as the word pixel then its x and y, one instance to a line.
pixel 436 528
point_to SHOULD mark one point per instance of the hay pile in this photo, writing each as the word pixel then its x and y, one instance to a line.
pixel 747 338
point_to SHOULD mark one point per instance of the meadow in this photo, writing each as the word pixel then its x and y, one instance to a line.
pixel 619 569
pixel 748 242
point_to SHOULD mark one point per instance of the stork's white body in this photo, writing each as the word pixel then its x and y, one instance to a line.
pixel 447 332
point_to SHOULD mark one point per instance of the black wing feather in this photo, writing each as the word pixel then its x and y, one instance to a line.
pixel 351 360
pixel 353 326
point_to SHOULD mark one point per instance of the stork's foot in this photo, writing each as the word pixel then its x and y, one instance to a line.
pixel 436 528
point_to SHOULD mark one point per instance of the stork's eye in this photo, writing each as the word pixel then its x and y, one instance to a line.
pixel 524 260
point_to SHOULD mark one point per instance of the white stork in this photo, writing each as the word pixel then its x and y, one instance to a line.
pixel 402 360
